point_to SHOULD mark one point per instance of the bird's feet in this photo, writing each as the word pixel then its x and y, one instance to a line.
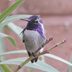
pixel 35 58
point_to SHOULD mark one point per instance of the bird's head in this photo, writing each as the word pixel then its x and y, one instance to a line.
pixel 35 19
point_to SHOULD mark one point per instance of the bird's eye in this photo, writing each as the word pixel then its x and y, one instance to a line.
pixel 36 21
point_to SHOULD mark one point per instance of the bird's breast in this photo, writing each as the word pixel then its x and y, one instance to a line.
pixel 33 40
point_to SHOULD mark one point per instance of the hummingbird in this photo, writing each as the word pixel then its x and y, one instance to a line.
pixel 34 36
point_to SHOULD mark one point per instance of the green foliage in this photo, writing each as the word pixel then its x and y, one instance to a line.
pixel 9 10
pixel 14 52
pixel 41 65
pixel 3 35
pixel 3 15
pixel 11 39
pixel 12 18
pixel 6 68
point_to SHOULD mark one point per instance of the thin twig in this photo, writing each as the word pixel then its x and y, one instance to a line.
pixel 44 52
pixel 47 41
pixel 57 45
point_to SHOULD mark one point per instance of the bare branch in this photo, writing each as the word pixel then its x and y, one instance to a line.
pixel 44 52
pixel 47 41
pixel 57 45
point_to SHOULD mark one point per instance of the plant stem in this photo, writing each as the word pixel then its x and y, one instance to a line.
pixel 42 53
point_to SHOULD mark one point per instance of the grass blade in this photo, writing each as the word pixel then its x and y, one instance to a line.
pixel 58 58
pixel 14 52
pixel 6 68
pixel 10 9
pixel 38 65
pixel 3 35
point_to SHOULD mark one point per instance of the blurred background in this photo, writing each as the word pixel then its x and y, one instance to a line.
pixel 57 18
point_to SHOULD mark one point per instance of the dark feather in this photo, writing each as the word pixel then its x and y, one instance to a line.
pixel 33 60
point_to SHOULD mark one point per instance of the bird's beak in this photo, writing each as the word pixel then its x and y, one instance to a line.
pixel 27 19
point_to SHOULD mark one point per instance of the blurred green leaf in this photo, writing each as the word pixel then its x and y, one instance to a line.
pixel 47 55
pixel 70 67
pixel 6 68
pixel 16 17
pixel 14 52
pixel 3 35
pixel 38 65
pixel 10 9
pixel 10 19
pixel 58 58
pixel 3 15
pixel 16 29
pixel 11 40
